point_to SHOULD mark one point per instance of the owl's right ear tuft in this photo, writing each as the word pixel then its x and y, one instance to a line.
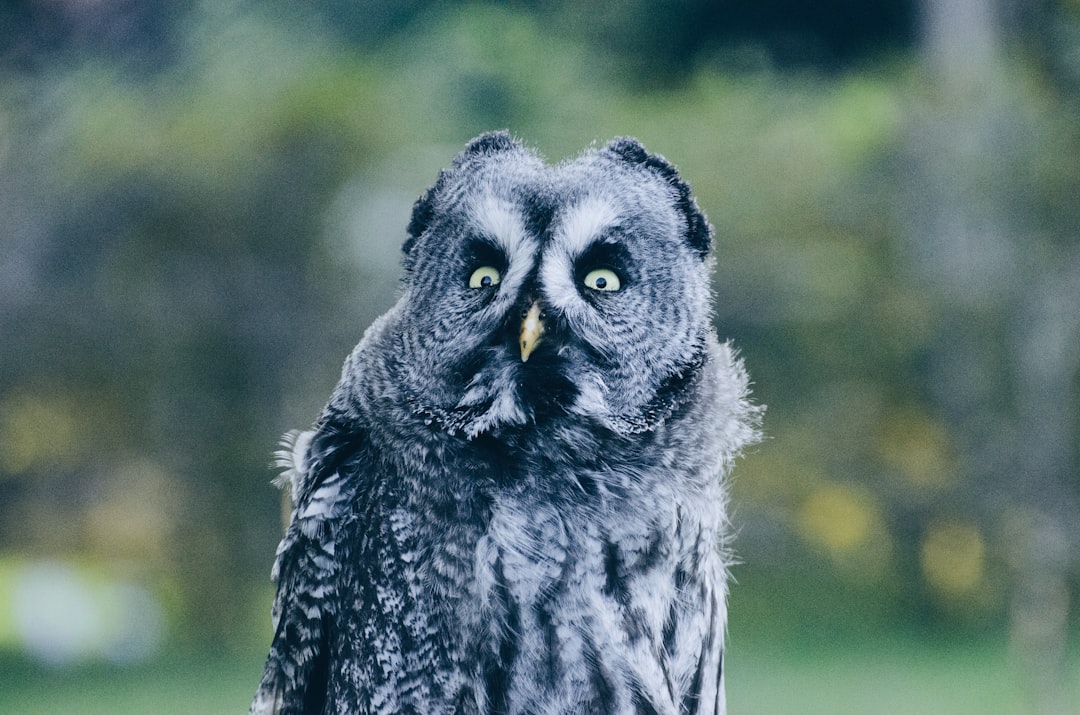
pixel 629 150
pixel 699 234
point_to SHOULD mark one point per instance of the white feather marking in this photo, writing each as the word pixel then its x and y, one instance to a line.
pixel 292 457
pixel 501 391
pixel 591 400
pixel 322 501
pixel 584 223
pixel 498 220
pixel 557 278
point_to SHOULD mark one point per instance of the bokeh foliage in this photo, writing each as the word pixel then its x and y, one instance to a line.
pixel 196 230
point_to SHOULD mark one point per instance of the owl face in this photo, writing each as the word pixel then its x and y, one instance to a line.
pixel 533 293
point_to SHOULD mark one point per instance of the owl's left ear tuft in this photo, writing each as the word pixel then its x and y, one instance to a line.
pixel 423 212
pixel 699 234
pixel 490 143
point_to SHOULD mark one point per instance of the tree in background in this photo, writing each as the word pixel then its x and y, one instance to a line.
pixel 990 239
pixel 202 209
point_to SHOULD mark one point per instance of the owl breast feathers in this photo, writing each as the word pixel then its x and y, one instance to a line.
pixel 514 500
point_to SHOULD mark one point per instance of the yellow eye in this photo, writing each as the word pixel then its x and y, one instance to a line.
pixel 602 279
pixel 484 277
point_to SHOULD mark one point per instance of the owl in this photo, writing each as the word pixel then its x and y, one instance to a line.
pixel 514 500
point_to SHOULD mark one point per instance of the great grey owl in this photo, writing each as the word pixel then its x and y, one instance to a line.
pixel 514 500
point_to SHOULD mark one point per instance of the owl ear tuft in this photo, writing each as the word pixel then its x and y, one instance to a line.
pixel 699 233
pixel 422 213
pixel 486 144
pixel 490 143
pixel 629 150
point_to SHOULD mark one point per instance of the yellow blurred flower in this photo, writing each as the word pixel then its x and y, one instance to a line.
pixel 838 517
pixel 952 556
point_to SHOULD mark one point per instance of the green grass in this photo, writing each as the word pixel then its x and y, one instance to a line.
pixel 180 684
pixel 890 677
pixel 893 676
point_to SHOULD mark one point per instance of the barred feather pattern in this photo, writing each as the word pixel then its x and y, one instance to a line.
pixel 461 543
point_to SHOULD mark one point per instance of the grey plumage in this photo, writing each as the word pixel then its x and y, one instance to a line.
pixel 485 527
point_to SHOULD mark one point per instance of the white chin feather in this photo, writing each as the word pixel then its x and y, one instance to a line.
pixel 591 400
pixel 500 390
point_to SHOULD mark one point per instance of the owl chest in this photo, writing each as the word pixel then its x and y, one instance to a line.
pixel 569 563
pixel 486 562
pixel 581 612
pixel 500 598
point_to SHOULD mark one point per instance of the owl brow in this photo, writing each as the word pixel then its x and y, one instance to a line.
pixel 605 252
pixel 498 222
pixel 583 224
pixel 481 250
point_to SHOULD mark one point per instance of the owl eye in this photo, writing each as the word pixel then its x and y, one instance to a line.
pixel 484 277
pixel 602 279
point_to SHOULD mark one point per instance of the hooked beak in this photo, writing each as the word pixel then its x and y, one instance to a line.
pixel 532 329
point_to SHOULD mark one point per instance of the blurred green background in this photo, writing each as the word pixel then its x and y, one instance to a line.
pixel 201 208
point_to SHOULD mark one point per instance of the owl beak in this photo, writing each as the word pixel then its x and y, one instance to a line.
pixel 532 329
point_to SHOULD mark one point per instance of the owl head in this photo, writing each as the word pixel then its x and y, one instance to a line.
pixel 534 293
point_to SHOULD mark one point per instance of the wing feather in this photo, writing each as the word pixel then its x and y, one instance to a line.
pixel 306 568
